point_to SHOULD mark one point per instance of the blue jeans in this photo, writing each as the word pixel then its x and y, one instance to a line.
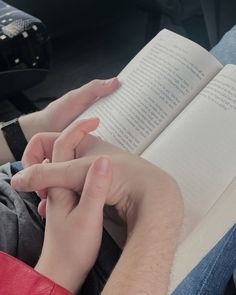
pixel 225 50
pixel 212 274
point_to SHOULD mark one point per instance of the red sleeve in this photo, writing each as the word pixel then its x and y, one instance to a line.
pixel 19 278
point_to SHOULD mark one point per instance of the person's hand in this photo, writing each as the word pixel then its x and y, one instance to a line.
pixel 61 112
pixel 144 196
pixel 74 227
pixel 133 178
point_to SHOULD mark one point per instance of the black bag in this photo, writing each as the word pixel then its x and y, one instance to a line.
pixel 24 50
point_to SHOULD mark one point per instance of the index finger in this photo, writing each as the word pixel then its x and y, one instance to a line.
pixel 39 147
pixel 64 148
pixel 78 100
pixel 70 174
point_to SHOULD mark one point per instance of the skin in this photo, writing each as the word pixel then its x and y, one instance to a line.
pixel 60 113
pixel 148 202
pixel 70 220
pixel 67 109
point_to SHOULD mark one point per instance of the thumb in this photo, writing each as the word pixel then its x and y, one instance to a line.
pixel 95 192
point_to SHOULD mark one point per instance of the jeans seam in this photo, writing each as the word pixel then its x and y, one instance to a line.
pixel 216 260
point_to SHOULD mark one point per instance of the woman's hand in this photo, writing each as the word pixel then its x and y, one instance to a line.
pixel 74 224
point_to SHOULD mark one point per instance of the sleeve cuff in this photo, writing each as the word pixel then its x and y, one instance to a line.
pixel 19 278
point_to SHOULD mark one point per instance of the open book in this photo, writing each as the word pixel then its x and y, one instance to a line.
pixel 177 108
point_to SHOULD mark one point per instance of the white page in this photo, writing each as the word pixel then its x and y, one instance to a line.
pixel 155 86
pixel 198 149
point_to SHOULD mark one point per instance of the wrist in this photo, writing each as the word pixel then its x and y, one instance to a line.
pixel 60 270
pixel 158 198
pixel 32 124
pixel 61 275
pixel 13 136
pixel 154 221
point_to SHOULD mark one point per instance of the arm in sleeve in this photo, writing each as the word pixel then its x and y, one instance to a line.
pixel 19 278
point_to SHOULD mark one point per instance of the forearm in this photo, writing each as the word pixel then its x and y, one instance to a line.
pixel 30 125
pixel 5 153
pixel 145 264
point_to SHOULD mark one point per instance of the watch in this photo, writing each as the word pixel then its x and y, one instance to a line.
pixel 14 137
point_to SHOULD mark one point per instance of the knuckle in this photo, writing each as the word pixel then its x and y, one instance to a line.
pixel 37 137
pixel 94 190
pixel 72 93
pixel 71 96
pixel 68 170
pixel 95 87
pixel 95 83
pixel 33 173
pixel 39 173
pixel 59 143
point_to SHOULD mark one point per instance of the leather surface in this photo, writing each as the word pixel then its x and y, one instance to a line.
pixel 19 278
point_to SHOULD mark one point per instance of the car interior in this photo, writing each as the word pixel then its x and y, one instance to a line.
pixel 50 47
pixel 91 39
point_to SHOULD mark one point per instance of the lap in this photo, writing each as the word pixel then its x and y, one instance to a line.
pixel 21 228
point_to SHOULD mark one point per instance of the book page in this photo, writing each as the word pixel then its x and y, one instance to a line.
pixel 198 148
pixel 155 86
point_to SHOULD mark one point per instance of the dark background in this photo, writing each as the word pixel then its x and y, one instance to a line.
pixel 97 38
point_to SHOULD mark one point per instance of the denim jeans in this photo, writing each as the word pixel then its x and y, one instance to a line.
pixel 212 274
pixel 225 50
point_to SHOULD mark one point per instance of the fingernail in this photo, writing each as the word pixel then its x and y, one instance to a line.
pixel 84 121
pixel 101 166
pixel 16 180
pixel 109 81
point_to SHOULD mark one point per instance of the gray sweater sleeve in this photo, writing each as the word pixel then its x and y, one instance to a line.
pixel 21 228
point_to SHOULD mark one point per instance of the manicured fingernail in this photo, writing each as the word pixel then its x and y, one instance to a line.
pixel 101 166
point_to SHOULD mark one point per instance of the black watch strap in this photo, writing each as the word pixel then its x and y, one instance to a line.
pixel 15 138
